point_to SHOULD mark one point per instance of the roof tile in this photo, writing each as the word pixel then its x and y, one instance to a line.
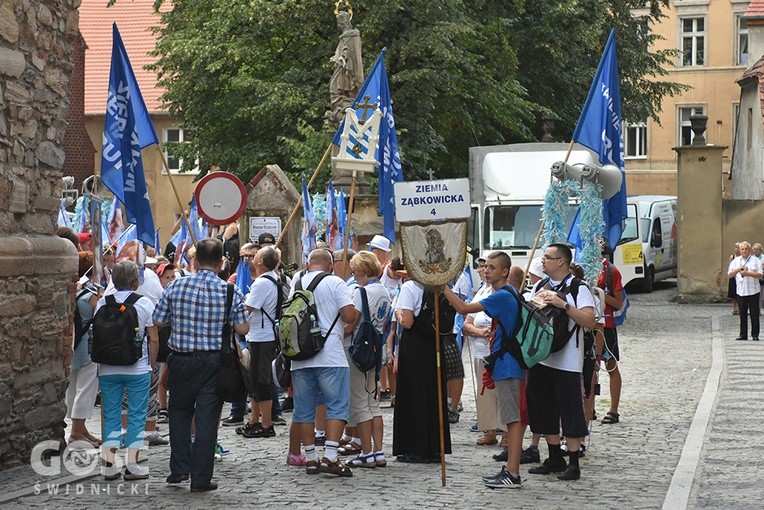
pixel 134 19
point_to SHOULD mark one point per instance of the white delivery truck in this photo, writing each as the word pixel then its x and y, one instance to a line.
pixel 508 184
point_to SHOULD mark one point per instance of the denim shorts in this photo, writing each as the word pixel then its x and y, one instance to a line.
pixel 333 384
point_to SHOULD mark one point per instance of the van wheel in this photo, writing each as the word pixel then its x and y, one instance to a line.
pixel 648 280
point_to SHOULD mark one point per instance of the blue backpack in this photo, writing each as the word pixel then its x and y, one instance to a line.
pixel 366 348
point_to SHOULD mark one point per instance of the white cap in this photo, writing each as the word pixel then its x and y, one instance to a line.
pixel 380 242
pixel 537 268
pixel 151 260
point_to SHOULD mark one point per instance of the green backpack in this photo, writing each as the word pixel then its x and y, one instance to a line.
pixel 298 332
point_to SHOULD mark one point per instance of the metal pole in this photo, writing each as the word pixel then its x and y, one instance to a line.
pixel 440 392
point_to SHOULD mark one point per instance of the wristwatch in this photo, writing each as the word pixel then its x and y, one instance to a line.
pixel 566 307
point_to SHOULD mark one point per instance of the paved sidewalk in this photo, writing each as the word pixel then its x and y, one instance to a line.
pixel 666 350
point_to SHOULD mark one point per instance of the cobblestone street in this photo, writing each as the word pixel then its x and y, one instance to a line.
pixel 666 357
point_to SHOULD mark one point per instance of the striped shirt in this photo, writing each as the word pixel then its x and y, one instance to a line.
pixel 194 306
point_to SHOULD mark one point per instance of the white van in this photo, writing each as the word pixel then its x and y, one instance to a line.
pixel 648 246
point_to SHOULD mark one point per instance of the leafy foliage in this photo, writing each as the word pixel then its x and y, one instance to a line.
pixel 250 77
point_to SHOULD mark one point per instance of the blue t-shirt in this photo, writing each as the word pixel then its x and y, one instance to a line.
pixel 502 305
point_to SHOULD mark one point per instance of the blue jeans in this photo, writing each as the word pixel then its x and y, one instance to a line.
pixel 333 384
pixel 193 397
pixel 113 388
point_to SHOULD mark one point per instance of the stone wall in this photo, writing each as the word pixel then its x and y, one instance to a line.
pixel 36 267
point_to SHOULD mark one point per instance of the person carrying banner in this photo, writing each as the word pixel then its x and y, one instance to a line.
pixel 505 372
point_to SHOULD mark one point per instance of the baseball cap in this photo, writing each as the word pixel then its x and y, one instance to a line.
pixel 150 261
pixel 380 242
pixel 164 267
pixel 481 258
pixel 266 238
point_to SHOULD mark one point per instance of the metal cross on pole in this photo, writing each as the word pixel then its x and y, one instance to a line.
pixel 431 173
pixel 366 107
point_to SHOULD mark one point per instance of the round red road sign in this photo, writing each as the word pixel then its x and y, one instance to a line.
pixel 221 198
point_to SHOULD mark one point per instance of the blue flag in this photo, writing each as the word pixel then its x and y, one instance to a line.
pixel 198 224
pixel 243 276
pixel 599 128
pixel 157 244
pixel 63 217
pixel 309 224
pixel 390 170
pixel 128 129
pixel 342 218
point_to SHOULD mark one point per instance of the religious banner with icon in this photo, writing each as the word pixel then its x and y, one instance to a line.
pixel 433 228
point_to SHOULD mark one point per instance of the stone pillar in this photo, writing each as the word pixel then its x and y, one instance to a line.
pixel 36 266
pixel 699 220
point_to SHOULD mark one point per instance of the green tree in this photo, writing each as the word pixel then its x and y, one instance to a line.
pixel 250 77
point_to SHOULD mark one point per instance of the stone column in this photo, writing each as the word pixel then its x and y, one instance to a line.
pixel 36 266
pixel 702 270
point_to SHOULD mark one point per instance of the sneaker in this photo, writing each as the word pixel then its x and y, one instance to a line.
pixel 218 457
pixel 287 406
pixel 497 475
pixel 453 416
pixel 335 468
pixel 136 472
pixel 110 472
pixel 571 473
pixel 312 467
pixel 176 479
pixel 474 428
pixel 320 441
pixel 232 421
pixel 156 440
pixel 530 456
pixel 386 395
pixel 364 461
pixel 504 480
pixel 460 407
pixel 379 460
pixel 549 466
pixel 221 450
pixel 163 416
pixel 260 432
pixel 249 428
pixel 278 420
pixel 295 460
pixel 501 457
pixel 204 488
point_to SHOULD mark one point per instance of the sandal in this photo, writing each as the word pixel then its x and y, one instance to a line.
pixel 611 418
pixel 350 449
pixel 486 440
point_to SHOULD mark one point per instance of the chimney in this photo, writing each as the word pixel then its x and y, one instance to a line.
pixel 754 18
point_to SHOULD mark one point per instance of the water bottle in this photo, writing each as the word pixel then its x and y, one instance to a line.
pixel 314 327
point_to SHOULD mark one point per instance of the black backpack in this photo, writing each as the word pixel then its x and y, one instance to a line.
pixel 116 338
pixel 80 326
pixel 366 347
pixel 557 316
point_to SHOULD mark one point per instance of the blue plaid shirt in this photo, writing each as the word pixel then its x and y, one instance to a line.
pixel 194 306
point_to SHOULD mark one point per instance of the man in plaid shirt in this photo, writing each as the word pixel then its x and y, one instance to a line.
pixel 194 307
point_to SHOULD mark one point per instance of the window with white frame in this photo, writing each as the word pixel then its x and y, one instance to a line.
pixel 635 140
pixel 693 41
pixel 685 130
pixel 741 40
pixel 174 162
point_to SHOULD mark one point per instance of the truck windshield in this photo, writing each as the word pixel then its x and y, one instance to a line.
pixel 515 226
pixel 630 226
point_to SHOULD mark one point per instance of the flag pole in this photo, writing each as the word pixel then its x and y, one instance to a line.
pixel 177 196
pixel 299 200
pixel 541 228
pixel 440 392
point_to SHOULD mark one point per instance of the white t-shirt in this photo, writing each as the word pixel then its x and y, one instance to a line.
pixel 571 357
pixel 746 285
pixel 263 295
pixel 391 284
pixel 145 309
pixel 330 295
pixel 463 289
pixel 379 305
pixel 150 288
pixel 410 297
pixel 480 344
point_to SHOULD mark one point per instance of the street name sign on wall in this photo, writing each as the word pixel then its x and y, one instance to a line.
pixel 432 200
pixel 262 225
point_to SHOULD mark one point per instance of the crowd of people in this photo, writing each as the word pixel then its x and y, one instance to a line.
pixel 337 422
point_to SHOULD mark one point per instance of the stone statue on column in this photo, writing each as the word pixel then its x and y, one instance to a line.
pixel 348 69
